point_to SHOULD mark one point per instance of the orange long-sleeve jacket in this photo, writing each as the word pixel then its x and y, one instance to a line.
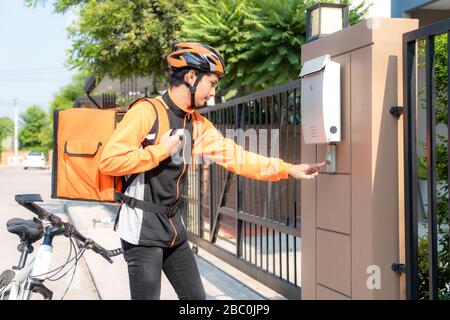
pixel 123 153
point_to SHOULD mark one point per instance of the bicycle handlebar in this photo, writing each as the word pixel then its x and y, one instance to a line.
pixel 69 229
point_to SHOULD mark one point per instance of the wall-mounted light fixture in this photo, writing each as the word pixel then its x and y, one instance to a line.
pixel 325 18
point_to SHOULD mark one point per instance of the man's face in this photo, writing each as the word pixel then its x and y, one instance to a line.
pixel 206 89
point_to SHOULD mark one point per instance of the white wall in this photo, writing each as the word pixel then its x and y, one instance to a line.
pixel 379 8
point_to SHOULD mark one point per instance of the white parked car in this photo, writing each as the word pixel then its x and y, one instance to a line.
pixel 34 159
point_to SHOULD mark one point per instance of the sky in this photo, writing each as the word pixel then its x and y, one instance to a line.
pixel 33 51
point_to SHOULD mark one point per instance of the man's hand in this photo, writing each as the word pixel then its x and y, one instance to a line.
pixel 171 143
pixel 305 171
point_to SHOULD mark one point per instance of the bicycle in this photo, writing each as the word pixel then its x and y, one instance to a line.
pixel 20 282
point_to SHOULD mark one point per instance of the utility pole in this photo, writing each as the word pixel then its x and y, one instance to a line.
pixel 16 141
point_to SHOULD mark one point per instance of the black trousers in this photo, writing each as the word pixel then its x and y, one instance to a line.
pixel 178 263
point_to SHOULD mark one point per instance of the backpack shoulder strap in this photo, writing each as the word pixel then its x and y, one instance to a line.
pixel 160 126
pixel 164 123
pixel 162 117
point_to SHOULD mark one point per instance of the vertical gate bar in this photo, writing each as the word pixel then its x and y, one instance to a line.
pixel 286 156
pixel 287 257
pixel 238 222
pixel 212 198
pixel 411 217
pixel 197 195
pixel 261 246
pixel 248 226
pixel 189 203
pixel 254 184
pixel 294 158
pixel 273 250
pixel 280 130
pixel 271 184
pixel 250 242
pixel 244 241
pixel 223 113
pixel 244 180
pixel 200 199
pixel 448 128
pixel 247 181
pixel 196 177
pixel 192 191
pixel 237 116
pixel 267 184
pixel 431 169
pixel 295 260
pixel 267 249
pixel 239 238
pixel 280 248
pixel 211 189
pixel 256 244
pixel 194 181
pixel 258 183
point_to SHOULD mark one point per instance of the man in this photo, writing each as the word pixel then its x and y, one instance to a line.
pixel 149 222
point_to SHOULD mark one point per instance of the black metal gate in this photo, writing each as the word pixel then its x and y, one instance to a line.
pixel 252 225
pixel 426 101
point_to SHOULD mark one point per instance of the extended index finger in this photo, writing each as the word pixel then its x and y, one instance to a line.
pixel 317 165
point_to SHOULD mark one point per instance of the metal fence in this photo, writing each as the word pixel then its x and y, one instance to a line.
pixel 252 225
pixel 103 101
pixel 426 164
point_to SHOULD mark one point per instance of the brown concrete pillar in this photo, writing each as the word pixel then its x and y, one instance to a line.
pixel 352 220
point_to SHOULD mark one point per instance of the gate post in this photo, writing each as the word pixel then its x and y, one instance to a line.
pixel 353 220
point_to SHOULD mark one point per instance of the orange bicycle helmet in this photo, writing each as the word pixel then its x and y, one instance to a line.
pixel 198 56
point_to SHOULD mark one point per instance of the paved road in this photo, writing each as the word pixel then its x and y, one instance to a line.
pixel 16 180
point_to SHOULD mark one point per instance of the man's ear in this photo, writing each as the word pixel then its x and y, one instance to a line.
pixel 190 77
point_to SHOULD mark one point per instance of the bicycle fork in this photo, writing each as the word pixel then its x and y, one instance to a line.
pixel 36 286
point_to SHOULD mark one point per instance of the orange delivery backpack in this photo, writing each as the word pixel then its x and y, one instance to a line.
pixel 79 136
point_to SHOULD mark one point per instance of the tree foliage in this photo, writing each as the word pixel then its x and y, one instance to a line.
pixel 121 38
pixel 60 6
pixel 34 121
pixel 260 40
pixel 6 129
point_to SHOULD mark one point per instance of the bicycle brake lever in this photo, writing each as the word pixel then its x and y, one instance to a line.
pixel 97 249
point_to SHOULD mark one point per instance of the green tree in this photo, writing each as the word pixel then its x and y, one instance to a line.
pixel 121 38
pixel 34 120
pixel 260 40
pixel 60 6
pixel 66 95
pixel 6 129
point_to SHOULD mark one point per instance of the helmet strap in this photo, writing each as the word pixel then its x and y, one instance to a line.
pixel 193 89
